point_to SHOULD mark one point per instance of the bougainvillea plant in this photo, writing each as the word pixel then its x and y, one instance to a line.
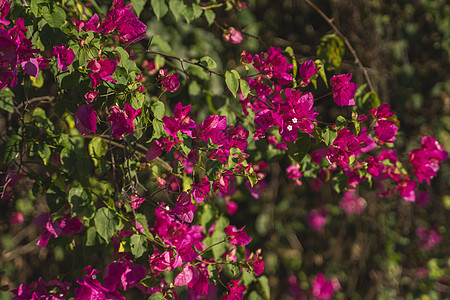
pixel 125 169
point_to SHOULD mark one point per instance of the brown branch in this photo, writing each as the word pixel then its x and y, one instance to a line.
pixel 182 60
pixel 157 160
pixel 347 43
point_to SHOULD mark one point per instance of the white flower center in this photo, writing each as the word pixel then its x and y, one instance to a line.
pixel 294 120
pixel 289 127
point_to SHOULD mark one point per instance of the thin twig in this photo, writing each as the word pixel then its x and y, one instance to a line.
pixel 347 43
pixel 182 60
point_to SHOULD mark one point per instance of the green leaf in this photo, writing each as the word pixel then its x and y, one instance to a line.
pixel 70 81
pixel 156 296
pixel 44 152
pixel 218 236
pixel 331 50
pixel 123 55
pixel 198 11
pixel 329 135
pixel 11 148
pixel 37 82
pixel 159 8
pixel 176 7
pixel 106 222
pixel 298 149
pixel 290 51
pixel 255 296
pixel 164 46
pixel 341 122
pixel 142 219
pixel 78 198
pixel 158 129
pixel 232 81
pixel 158 109
pixel 373 99
pixel 97 147
pixel 210 16
pixel 188 14
pixel 321 72
pixel 212 167
pixel 245 87
pixel 208 62
pixel 91 236
pixel 137 243
pixel 68 160
pixel 7 100
pixel 56 199
pixel 55 18
pixel 264 283
pixel 356 123
pixel 138 6
pixel 84 166
pixel 207 216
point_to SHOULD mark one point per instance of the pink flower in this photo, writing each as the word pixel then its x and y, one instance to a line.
pixel 16 49
pixel 273 65
pixel 86 119
pixel 236 290
pixel 121 122
pixel 155 150
pixel 428 238
pixel 232 207
pixel 102 69
pixel 294 289
pixel 125 22
pixel 201 190
pixel 90 96
pixel 343 90
pixel 123 274
pixel 67 226
pixel 255 260
pixel 91 289
pixel 136 201
pixel 233 36
pixel 92 25
pixel 65 56
pixel 237 237
pixel 184 209
pixel 382 112
pixel 317 219
pixel 306 71
pixel 293 171
pixel 425 161
pixel 386 130
pixel 406 188
pixel 185 277
pixel 257 189
pixel 246 58
pixel 16 218
pixel 351 203
pixel 171 83
pixel 4 11
pixel 323 289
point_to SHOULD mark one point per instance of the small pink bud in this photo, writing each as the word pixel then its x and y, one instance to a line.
pixel 233 36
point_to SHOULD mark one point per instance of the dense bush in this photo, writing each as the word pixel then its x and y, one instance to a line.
pixel 224 149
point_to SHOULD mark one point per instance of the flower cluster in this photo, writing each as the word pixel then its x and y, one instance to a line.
pixel 206 162
pixel 323 289
pixel 16 49
pixel 425 161
pixel 121 20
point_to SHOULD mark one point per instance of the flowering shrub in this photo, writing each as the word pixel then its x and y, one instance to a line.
pixel 128 169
